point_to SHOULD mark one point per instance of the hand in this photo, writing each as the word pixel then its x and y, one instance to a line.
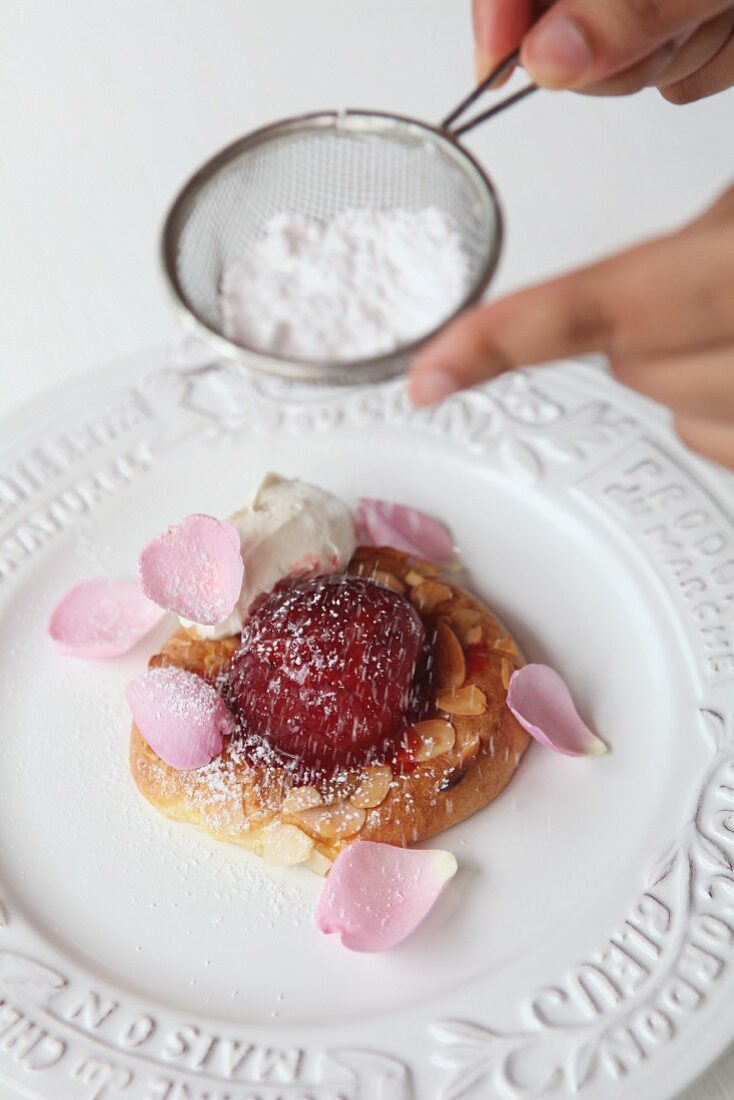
pixel 662 312
pixel 613 47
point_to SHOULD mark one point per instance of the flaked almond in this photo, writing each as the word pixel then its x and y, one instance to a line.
pixel 467 625
pixel 467 746
pixel 286 845
pixel 369 560
pixel 373 789
pixel 413 578
pixel 389 552
pixel 389 580
pixel 380 557
pixel 370 553
pixel 317 862
pixel 301 798
pixel 436 736
pixel 506 671
pixel 507 644
pixel 331 822
pixel 209 657
pixel 427 568
pixel 429 595
pixel 466 750
pixel 464 617
pixel 465 702
pixel 450 663
pixel 379 572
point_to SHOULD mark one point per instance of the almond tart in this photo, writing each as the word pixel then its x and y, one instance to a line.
pixel 390 727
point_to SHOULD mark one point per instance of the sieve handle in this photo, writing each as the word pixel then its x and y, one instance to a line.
pixel 506 66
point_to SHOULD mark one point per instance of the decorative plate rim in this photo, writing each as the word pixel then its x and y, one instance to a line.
pixel 539 438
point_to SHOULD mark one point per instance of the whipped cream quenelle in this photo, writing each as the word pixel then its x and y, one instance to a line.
pixel 287 527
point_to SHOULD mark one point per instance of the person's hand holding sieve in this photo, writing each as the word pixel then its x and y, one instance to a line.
pixel 611 47
pixel 663 312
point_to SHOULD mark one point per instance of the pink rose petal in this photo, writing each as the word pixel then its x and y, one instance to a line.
pixel 180 715
pixel 101 618
pixel 232 534
pixel 406 529
pixel 377 894
pixel 194 569
pixel 542 704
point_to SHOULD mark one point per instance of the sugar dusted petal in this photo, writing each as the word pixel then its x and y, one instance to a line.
pixel 542 704
pixel 100 618
pixel 406 529
pixel 194 569
pixel 180 715
pixel 232 534
pixel 377 894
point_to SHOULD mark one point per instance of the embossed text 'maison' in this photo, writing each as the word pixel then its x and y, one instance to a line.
pixel 685 534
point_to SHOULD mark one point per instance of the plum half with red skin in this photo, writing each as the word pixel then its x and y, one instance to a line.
pixel 330 671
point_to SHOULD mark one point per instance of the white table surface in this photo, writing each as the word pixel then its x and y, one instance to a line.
pixel 106 107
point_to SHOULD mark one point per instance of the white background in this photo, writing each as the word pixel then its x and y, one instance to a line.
pixel 106 107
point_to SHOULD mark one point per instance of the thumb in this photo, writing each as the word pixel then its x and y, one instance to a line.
pixel 582 42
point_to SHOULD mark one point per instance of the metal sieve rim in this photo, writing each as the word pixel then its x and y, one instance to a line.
pixel 385 365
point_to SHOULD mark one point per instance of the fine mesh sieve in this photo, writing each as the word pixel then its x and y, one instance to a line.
pixel 318 165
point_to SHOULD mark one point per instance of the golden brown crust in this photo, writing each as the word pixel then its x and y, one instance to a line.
pixel 261 808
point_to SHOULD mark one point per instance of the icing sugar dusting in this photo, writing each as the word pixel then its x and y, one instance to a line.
pixel 327 670
pixel 180 715
pixel 357 285
pixel 194 568
pixel 155 874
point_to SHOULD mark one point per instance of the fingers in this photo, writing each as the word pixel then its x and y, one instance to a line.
pixel 564 317
pixel 637 77
pixel 713 77
pixel 700 48
pixel 712 439
pixel 613 47
pixel 699 384
pixel 699 388
pixel 534 326
pixel 499 27
pixel 583 42
pixel 660 301
pixel 719 213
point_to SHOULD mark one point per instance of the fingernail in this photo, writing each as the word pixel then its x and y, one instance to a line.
pixel 483 65
pixel 557 52
pixel 428 387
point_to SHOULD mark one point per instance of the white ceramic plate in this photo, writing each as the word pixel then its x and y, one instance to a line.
pixel 586 945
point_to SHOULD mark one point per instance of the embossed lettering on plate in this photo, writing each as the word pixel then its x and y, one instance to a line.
pixel 106 1050
pixel 601 1019
pixel 49 485
pixel 617 1007
pixel 680 528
